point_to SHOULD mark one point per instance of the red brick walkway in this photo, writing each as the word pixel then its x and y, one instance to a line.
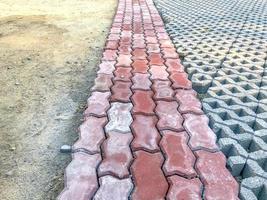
pixel 145 136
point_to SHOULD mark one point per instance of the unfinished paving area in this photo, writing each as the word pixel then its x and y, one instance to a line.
pixel 145 136
pixel 223 47
pixel 49 50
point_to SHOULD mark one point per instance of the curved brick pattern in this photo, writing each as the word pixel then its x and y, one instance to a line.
pixel 150 182
pixel 122 74
pixel 188 102
pixel 169 117
pixel 91 134
pixel 81 180
pixel 180 81
pixel 162 90
pixel 119 117
pixel 143 103
pixel 116 155
pixel 109 55
pixel 139 54
pixel 121 91
pixel 201 136
pixel 156 59
pixel 106 67
pixel 97 104
pixel 124 60
pixel 140 66
pixel 179 157
pixel 158 72
pixel 112 188
pixel 218 182
pixel 182 188
pixel 102 83
pixel 146 136
pixel 174 65
pixel 141 82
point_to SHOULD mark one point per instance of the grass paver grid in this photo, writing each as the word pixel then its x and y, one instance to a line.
pixel 223 45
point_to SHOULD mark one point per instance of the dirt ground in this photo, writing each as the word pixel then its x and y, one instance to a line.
pixel 49 51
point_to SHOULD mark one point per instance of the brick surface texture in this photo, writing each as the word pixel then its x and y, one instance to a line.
pixel 145 136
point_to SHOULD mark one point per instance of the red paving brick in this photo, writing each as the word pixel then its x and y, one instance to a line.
pixel 140 66
pixel 162 90
pixel 182 188
pixel 139 54
pixel 150 182
pixel 141 82
pixel 158 72
pixel 157 143
pixel 143 103
pixel 179 157
pixel 81 182
pixel 116 155
pixel 91 134
pixel 218 182
pixel 169 117
pixel 121 91
pixel 174 65
pixel 102 83
pixel 146 135
pixel 201 136
pixel 180 81
pixel 98 104
pixel 123 74
pixel 188 102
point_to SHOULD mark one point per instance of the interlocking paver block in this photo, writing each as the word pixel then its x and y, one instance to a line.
pixel 180 81
pixel 97 104
pixel 91 134
pixel 81 180
pixel 102 83
pixel 188 102
pixel 151 40
pixel 112 45
pixel 169 117
pixel 162 90
pixel 123 74
pixel 124 60
pixel 174 65
pixel 169 53
pixel 109 55
pixel 125 49
pixel 146 136
pixel 201 136
pixel 158 72
pixel 165 43
pixel 120 117
pixel 106 67
pixel 121 91
pixel 179 158
pixel 141 81
pixel 112 188
pixel 182 188
pixel 150 182
pixel 218 182
pixel 139 54
pixel 143 103
pixel 153 48
pixel 116 155
pixel 140 66
pixel 155 59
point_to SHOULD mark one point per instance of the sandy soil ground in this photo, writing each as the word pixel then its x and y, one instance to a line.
pixel 49 51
